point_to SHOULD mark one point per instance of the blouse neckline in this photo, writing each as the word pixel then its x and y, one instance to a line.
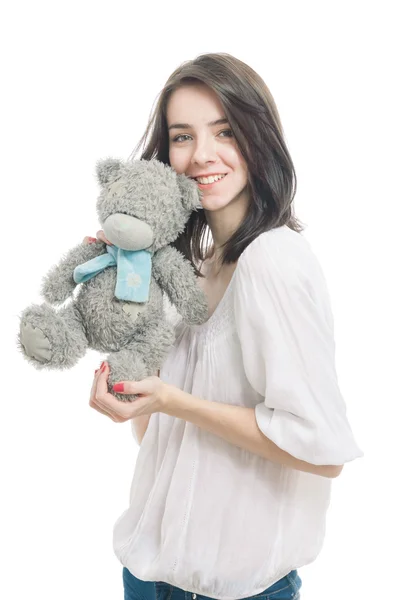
pixel 215 314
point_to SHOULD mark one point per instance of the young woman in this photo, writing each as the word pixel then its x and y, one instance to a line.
pixel 244 430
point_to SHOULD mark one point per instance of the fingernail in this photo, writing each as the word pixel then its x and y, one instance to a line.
pixel 101 365
pixel 96 371
pixel 103 368
pixel 118 387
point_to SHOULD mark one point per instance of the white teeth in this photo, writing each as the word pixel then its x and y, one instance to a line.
pixel 210 179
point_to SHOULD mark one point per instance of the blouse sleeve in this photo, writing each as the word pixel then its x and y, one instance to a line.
pixel 285 327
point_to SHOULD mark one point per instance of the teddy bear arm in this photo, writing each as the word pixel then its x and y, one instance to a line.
pixel 177 278
pixel 59 284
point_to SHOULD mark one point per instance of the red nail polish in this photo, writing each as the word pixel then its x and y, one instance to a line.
pixel 103 367
pixel 118 387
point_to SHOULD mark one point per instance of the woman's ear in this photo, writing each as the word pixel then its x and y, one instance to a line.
pixel 190 193
pixel 107 170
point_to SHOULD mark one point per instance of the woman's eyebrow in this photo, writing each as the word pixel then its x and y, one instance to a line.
pixel 188 126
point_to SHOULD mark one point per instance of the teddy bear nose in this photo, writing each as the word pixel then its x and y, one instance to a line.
pixel 127 232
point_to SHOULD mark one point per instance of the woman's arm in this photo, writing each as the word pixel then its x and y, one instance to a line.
pixel 237 425
pixel 140 424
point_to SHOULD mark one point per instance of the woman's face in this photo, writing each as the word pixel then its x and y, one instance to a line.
pixel 201 144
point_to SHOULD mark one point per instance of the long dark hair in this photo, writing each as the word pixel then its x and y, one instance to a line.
pixel 255 122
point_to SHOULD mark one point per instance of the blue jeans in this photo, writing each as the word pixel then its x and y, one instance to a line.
pixel 286 588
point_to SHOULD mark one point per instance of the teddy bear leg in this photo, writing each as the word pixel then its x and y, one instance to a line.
pixel 50 339
pixel 142 357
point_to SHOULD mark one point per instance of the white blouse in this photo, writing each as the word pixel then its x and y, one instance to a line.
pixel 205 515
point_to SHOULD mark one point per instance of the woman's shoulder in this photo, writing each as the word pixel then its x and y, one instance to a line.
pixel 280 268
pixel 279 254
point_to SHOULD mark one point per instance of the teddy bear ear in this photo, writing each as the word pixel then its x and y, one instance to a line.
pixel 190 193
pixel 107 169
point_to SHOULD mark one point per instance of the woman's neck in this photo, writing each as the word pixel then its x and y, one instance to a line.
pixel 223 224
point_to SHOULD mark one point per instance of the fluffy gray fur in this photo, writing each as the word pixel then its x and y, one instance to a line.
pixel 142 204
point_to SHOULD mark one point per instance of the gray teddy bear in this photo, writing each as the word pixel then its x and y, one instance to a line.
pixel 143 207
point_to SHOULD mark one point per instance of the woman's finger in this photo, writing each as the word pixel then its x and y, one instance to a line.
pixel 151 394
pixel 144 387
pixel 102 238
pixel 93 389
pixel 89 240
pixel 100 410
pixel 92 399
pixel 106 401
pixel 102 387
pixel 94 385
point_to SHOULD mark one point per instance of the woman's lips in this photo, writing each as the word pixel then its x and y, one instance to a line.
pixel 206 186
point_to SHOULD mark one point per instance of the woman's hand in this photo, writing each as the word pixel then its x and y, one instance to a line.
pixel 152 396
pixel 100 237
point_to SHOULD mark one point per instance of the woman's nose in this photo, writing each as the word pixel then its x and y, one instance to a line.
pixel 204 152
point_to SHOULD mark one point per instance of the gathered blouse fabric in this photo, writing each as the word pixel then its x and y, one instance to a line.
pixel 205 515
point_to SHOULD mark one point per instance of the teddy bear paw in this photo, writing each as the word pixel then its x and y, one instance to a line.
pixel 126 366
pixel 34 342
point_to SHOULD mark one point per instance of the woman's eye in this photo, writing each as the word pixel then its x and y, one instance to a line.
pixel 228 132
pixel 178 138
pixel 183 137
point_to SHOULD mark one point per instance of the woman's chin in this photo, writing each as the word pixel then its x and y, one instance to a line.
pixel 212 204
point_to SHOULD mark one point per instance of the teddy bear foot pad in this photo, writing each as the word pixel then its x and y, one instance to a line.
pixel 35 343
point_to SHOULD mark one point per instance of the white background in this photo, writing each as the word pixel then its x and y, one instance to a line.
pixel 78 82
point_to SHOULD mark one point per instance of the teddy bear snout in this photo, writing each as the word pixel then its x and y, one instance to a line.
pixel 127 232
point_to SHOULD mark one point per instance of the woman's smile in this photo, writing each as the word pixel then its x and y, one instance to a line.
pixel 205 183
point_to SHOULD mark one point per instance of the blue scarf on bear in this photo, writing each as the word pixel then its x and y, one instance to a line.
pixel 133 272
